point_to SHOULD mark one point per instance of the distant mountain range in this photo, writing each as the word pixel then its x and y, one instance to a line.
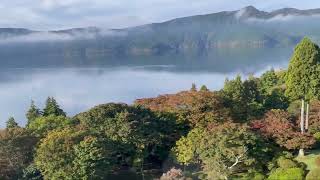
pixel 247 29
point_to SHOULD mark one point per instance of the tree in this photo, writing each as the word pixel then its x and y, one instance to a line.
pixel 193 87
pixel 275 99
pixel 268 81
pixel 222 150
pixel 52 108
pixel 204 88
pixel 143 135
pixel 55 154
pixel 243 98
pixel 42 125
pixel 302 77
pixel 16 151
pixel 33 113
pixel 278 125
pixel 11 123
pixel 93 159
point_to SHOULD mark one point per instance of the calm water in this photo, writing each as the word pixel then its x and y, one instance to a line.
pixel 77 89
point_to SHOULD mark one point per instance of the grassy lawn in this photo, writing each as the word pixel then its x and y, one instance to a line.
pixel 309 158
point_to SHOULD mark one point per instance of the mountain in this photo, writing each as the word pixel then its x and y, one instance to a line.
pixel 239 32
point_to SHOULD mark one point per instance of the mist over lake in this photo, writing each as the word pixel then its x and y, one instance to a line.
pixel 81 82
pixel 78 89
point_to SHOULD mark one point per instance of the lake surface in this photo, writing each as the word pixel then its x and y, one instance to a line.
pixel 78 89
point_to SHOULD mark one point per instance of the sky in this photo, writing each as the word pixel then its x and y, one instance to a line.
pixel 63 14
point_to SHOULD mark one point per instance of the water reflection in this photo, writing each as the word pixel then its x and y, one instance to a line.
pixel 77 89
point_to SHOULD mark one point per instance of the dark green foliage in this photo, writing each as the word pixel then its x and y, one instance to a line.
pixel 145 134
pixel 276 99
pixel 11 123
pixel 243 98
pixel 52 108
pixel 33 113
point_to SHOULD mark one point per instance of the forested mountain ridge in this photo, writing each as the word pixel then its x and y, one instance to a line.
pixel 247 27
pixel 247 30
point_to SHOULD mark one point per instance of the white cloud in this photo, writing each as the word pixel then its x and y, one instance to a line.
pixel 58 14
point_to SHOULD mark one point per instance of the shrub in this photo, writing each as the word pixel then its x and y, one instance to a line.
pixel 252 176
pixel 173 174
pixel 285 163
pixel 313 174
pixel 286 174
pixel 317 136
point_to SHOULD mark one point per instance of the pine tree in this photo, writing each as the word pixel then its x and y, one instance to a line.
pixel 193 87
pixel 11 123
pixel 302 78
pixel 52 108
pixel 33 113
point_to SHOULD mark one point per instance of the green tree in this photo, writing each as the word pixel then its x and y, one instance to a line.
pixel 93 160
pixel 143 134
pixel 11 123
pixel 302 77
pixel 55 154
pixel 222 150
pixel 204 88
pixel 268 81
pixel 52 108
pixel 243 98
pixel 42 125
pixel 33 113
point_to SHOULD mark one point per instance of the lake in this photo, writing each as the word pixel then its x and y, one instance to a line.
pixel 78 89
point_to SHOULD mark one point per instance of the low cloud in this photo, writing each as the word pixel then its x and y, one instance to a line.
pixel 68 35
pixel 61 14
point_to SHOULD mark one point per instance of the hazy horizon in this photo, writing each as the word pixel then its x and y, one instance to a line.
pixel 55 15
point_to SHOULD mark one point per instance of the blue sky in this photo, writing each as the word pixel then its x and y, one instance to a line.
pixel 61 14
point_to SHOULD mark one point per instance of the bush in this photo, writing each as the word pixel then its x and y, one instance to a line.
pixel 285 163
pixel 317 136
pixel 286 174
pixel 313 174
pixel 252 176
pixel 173 174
